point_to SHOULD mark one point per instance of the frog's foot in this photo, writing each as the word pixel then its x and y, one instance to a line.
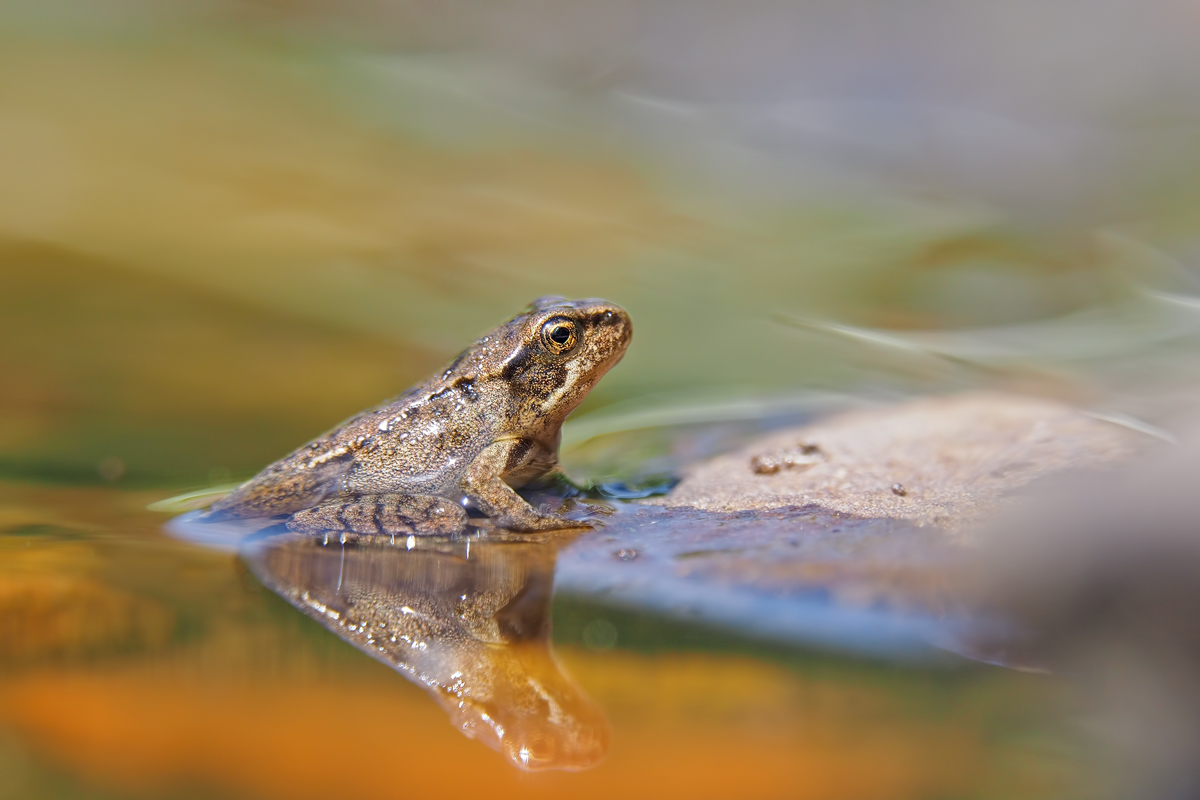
pixel 525 518
pixel 383 514
pixel 495 498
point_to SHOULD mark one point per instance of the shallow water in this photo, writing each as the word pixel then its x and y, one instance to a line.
pixel 140 665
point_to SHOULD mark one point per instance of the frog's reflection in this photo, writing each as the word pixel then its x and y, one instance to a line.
pixel 468 620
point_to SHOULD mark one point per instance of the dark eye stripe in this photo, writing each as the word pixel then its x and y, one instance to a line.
pixel 515 366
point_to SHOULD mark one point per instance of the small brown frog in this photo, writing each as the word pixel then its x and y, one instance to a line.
pixel 490 422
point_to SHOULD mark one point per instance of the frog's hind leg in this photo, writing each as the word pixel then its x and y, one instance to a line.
pixel 383 514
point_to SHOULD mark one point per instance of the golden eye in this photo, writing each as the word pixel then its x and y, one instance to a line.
pixel 559 335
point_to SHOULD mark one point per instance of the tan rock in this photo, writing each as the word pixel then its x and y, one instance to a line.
pixel 940 460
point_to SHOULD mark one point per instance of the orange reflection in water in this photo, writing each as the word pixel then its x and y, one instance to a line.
pixel 473 628
pixel 242 696
pixel 726 730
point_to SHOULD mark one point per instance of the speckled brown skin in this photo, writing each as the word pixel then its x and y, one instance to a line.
pixel 490 422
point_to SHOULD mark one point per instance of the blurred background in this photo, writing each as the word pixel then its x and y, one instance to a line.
pixel 225 226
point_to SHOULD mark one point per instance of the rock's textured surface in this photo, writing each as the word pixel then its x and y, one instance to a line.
pixel 942 460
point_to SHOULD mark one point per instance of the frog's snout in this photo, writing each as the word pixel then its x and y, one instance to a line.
pixel 612 323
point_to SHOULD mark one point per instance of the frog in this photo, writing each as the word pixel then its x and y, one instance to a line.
pixel 468 437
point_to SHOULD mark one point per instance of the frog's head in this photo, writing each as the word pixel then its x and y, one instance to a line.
pixel 558 350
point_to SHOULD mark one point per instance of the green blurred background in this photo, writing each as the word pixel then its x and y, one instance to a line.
pixel 225 226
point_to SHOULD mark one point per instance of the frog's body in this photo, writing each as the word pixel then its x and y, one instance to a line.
pixel 489 422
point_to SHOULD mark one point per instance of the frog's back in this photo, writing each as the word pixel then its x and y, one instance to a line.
pixel 419 443
pixel 303 479
pixel 312 473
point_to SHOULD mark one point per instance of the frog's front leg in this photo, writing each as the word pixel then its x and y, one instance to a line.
pixel 383 514
pixel 483 483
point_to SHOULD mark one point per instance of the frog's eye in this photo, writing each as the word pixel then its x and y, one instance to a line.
pixel 559 335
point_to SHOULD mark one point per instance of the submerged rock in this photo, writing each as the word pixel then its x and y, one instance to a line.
pixel 941 460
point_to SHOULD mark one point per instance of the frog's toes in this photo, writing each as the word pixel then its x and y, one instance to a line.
pixel 531 524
